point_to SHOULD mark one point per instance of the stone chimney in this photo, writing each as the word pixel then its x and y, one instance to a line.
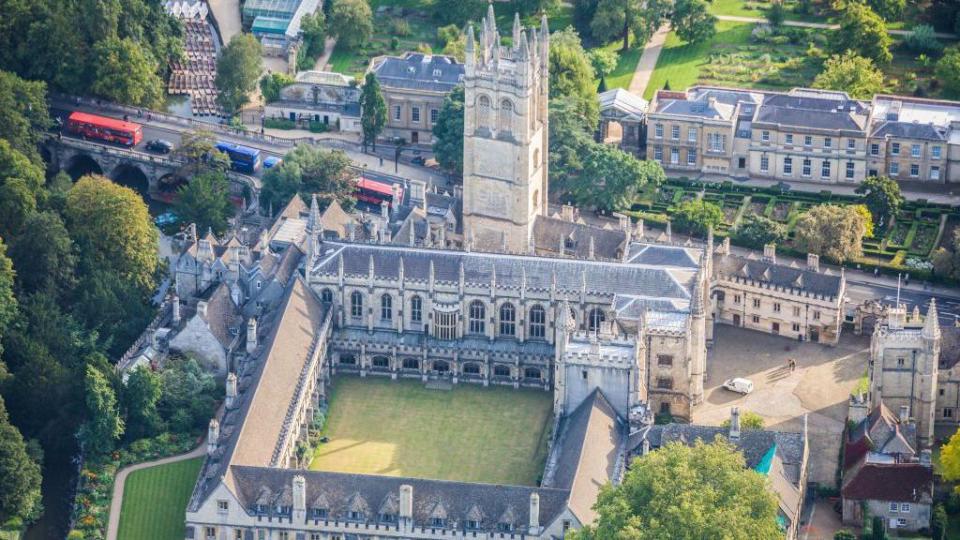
pixel 926 458
pixel 395 191
pixel 669 232
pixel 213 433
pixel 231 390
pixel 624 222
pixel 175 309
pixel 734 424
pixel 639 229
pixel 202 309
pixel 406 504
pixel 904 416
pixel 770 253
pixel 534 514
pixel 568 213
pixel 725 246
pixel 813 262
pixel 299 499
pixel 385 211
pixel 857 409
pixel 645 447
pixel 251 335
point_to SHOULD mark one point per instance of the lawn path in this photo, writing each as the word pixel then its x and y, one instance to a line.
pixel 328 47
pixel 116 502
pixel 822 26
pixel 648 61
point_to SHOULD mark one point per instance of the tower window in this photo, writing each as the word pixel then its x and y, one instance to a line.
pixel 416 309
pixel 538 319
pixel 356 305
pixel 483 112
pixel 506 116
pixel 508 317
pixel 477 318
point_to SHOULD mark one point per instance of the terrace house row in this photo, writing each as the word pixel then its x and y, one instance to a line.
pixel 804 135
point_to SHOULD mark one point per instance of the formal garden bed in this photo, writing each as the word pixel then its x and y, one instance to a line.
pixel 917 230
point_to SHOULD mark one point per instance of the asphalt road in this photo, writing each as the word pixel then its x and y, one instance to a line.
pixel 948 306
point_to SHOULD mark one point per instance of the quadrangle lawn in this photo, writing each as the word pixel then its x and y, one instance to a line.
pixel 400 428
pixel 155 499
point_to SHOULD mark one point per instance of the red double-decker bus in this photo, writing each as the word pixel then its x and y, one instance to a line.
pixel 101 128
pixel 373 192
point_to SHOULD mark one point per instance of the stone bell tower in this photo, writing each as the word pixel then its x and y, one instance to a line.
pixel 505 135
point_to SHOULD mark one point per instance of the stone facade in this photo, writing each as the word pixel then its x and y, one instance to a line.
pixel 505 136
pixel 319 97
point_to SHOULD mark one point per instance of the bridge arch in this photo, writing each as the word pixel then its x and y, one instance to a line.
pixel 132 176
pixel 82 164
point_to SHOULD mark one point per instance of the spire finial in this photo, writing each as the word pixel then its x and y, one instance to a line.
pixel 931 325
pixel 516 29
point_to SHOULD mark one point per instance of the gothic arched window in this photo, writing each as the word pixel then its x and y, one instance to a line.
pixel 483 112
pixel 538 322
pixel 506 116
pixel 326 296
pixel 416 309
pixel 477 318
pixel 386 307
pixel 508 320
pixel 596 318
pixel 356 305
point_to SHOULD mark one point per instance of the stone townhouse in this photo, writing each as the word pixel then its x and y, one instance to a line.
pixel 319 97
pixel 804 134
pixel 806 304
pixel 414 86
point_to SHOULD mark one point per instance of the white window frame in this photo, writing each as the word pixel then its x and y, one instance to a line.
pixel 914 170
pixel 904 508
pixel 808 140
pixel 658 131
pixel 788 166
pixel 397 113
pixel 658 153
pixel 874 149
pixel 675 132
pixel 934 172
pixel 935 152
pixel 895 168
pixel 691 134
pixel 765 136
pixel 851 169
pixel 415 115
pixel 764 164
pixel 827 142
pixel 806 169
pixel 825 169
pixel 914 150
pixel 691 156
pixel 674 156
pixel 894 508
pixel 789 138
pixel 895 149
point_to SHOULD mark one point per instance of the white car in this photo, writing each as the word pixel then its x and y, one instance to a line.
pixel 739 385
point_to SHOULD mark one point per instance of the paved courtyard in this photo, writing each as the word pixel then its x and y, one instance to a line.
pixel 819 387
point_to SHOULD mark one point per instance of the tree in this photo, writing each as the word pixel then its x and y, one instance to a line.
pixel 187 397
pixel 756 231
pixel 103 426
pixel 44 255
pixel 685 493
pixel 863 32
pixel 697 216
pixel 610 178
pixel 831 231
pixel 938 523
pixel 205 200
pixel 454 41
pixel 448 133
pixel 23 115
pixel 923 40
pixel 460 11
pixel 850 73
pixel 19 473
pixel 604 61
pixel 950 460
pixel 140 396
pixel 16 164
pixel 882 197
pixel 373 110
pixel 112 224
pixel 844 534
pixel 867 219
pixel 307 170
pixel 198 149
pixel 8 302
pixel 617 19
pixel 692 22
pixel 948 70
pixel 352 22
pixel 890 10
pixel 570 142
pixel 878 528
pixel 748 420
pixel 776 14
pixel 17 202
pixel 571 74
pixel 314 28
pixel 238 70
pixel 272 83
pixel 125 73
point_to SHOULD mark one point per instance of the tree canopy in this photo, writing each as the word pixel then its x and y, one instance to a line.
pixel 571 74
pixel 756 231
pixel 448 133
pixel 373 110
pixel 352 22
pixel 238 70
pixel 610 178
pixel 692 22
pixel 19 473
pixel 882 197
pixel 950 460
pixel 832 231
pixel 686 493
pixel 851 73
pixel 863 32
pixel 948 70
pixel 205 200
pixel 618 19
pixel 307 170
pixel 125 73
pixel 103 426
pixel 697 216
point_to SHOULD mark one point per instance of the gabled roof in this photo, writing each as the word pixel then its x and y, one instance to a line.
pixel 549 232
pixel 896 482
pixel 781 275
pixel 880 432
pixel 419 71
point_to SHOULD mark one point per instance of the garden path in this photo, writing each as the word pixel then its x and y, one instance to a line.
pixel 324 58
pixel 824 26
pixel 648 61
pixel 116 502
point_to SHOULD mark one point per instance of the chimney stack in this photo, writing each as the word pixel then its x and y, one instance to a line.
pixel 175 307
pixel 904 414
pixel 406 504
pixel 213 433
pixel 770 253
pixel 534 514
pixel 813 262
pixel 299 499
pixel 926 458
pixel 231 390
pixel 251 335
pixel 202 309
pixel 735 424
pixel 639 229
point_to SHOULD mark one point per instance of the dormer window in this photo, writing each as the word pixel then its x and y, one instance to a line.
pixel 388 518
pixel 472 525
pixel 436 73
pixel 355 516
pixel 320 513
pixel 283 509
pixel 505 527
pixel 436 522
pixel 261 509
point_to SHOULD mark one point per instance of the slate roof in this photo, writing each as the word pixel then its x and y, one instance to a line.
pixel 700 108
pixel 909 130
pixel 780 275
pixel 548 232
pixel 949 346
pixel 589 447
pixel 222 314
pixel 418 71
pixel 901 482
pixel 882 432
pixel 452 501
pixel 808 111
pixel 612 278
pixel 630 105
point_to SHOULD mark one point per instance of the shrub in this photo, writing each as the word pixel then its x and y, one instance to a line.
pixel 424 48
pixel 923 39
pixel 399 27
pixel 279 123
pixel 394 43
pixel 318 127
pixel 844 534
pixel 777 13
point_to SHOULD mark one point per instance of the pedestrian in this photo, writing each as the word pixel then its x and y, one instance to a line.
pixel 381 161
pixel 139 113
pixel 149 117
pixel 793 365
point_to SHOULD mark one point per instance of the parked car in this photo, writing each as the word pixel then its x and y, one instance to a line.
pixel 271 161
pixel 160 146
pixel 739 385
pixel 419 160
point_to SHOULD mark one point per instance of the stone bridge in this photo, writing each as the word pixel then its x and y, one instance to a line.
pixel 150 171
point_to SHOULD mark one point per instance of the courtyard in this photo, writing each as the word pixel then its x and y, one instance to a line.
pixel 819 387
pixel 155 499
pixel 494 435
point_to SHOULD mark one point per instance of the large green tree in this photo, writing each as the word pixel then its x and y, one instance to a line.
pixel 352 22
pixel 125 73
pixel 198 151
pixel 104 426
pixel 610 178
pixel 44 255
pixel 187 395
pixel 205 200
pixel 17 203
pixel 692 22
pixel 948 71
pixel 619 19
pixel 307 170
pixel 23 115
pixel 448 133
pixel 19 473
pixel 697 216
pixel 756 231
pixel 686 493
pixel 140 394
pixel 570 142
pixel 112 222
pixel 571 74
pixel 238 70
pixel 882 197
pixel 832 231
pixel 891 10
pixel 863 32
pixel 373 110
pixel 8 302
pixel 851 73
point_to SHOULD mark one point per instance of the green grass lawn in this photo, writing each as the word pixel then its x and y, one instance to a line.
pixel 155 499
pixel 626 65
pixel 470 433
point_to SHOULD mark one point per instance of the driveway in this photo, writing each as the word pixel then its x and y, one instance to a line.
pixel 818 388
